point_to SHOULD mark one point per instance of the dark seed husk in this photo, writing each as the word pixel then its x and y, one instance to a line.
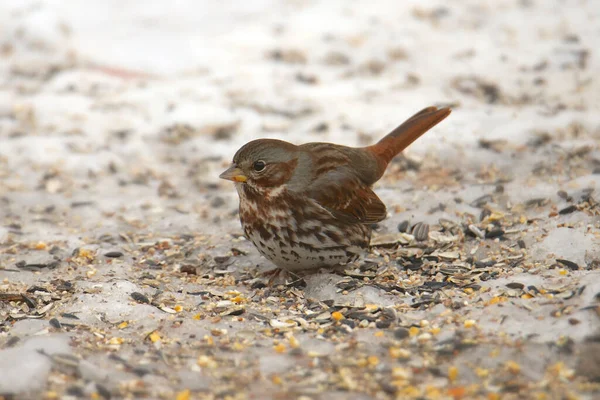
pixel 533 289
pixel 569 264
pixel 140 371
pixel 258 285
pixel 537 202
pixel 515 285
pixel 484 214
pixel 55 323
pixel 481 201
pixel 494 233
pixel 403 226
pixel 432 285
pixel 383 324
pixel 103 391
pixel 484 264
pixel 401 333
pixel 36 267
pixel 568 210
pixel 221 259
pixel 421 231
pixel 30 302
pixel 189 269
pixel 113 254
pixel 521 244
pixel 140 298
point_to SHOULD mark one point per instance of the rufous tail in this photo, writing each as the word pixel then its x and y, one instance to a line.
pixel 401 137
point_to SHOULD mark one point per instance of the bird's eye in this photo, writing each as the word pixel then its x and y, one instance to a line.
pixel 259 165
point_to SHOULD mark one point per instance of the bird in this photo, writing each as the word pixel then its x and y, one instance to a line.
pixel 312 206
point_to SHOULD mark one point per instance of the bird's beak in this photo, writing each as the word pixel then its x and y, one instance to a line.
pixel 233 173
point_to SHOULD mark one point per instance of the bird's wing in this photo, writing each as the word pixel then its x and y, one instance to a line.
pixel 347 198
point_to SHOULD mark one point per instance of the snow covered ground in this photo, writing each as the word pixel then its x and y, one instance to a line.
pixel 116 118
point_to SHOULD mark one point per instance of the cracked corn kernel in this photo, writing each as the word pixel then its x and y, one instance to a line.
pixel 206 361
pixel 41 246
pixel 373 360
pixel 469 323
pixel 413 331
pixel 401 372
pixel 197 317
pixel 238 299
pixel 482 372
pixel 559 369
pixel 496 300
pixel 563 272
pixel 276 379
pixel 336 315
pixel 452 373
pixel 493 396
pixel 123 325
pixel 183 395
pixel 154 337
pixel 280 348
pixel 116 340
pixel 512 367
pixel 294 343
pixel 396 352
pixel 178 308
pixel 237 346
pixel 424 337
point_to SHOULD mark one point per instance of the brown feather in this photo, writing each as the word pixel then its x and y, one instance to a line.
pixel 401 137
pixel 348 198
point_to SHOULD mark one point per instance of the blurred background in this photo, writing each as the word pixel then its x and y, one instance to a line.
pixel 117 116
pixel 302 70
pixel 141 104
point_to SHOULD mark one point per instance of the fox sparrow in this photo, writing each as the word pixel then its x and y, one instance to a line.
pixel 312 205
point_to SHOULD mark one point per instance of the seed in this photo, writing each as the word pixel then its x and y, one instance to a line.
pixel 336 315
pixel 568 210
pixel 515 285
pixel 403 226
pixel 401 333
pixel 421 231
pixel 470 323
pixel 55 323
pixel 476 231
pixel 569 264
pixel 383 324
pixel 484 214
pixel 113 254
pixel 140 298
pixel 494 233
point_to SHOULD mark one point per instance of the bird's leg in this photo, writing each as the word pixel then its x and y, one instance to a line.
pixel 273 274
